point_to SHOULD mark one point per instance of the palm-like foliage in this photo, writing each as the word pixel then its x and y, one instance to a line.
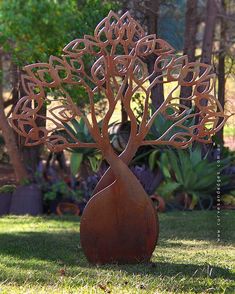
pixel 78 155
pixel 191 173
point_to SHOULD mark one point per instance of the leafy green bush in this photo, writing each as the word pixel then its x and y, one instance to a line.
pixel 7 189
pixel 63 191
pixel 190 173
pixel 82 155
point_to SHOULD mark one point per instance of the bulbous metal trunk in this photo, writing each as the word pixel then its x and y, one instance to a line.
pixel 119 223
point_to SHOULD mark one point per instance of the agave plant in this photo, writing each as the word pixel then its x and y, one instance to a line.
pixel 82 155
pixel 162 123
pixel 191 173
pixel 151 154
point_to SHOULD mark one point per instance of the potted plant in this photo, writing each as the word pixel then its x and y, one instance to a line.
pixel 61 199
pixel 150 180
pixel 5 198
pixel 27 199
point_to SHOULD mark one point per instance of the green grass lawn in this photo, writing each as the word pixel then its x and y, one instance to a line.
pixel 43 255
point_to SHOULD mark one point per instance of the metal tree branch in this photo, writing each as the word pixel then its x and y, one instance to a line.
pixel 120 51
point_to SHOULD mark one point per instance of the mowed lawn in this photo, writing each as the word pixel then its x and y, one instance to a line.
pixel 43 255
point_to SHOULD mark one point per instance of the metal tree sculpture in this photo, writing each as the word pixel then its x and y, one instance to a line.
pixel 119 222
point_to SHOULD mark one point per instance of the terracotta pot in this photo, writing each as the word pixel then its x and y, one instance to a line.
pixel 158 203
pixel 5 202
pixel 27 200
pixel 67 207
pixel 184 201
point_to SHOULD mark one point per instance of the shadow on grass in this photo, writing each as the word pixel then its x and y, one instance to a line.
pixel 63 248
pixel 195 225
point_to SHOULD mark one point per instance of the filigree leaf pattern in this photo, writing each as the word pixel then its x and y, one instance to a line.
pixel 113 64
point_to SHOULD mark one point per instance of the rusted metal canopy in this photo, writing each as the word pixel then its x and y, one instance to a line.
pixel 119 223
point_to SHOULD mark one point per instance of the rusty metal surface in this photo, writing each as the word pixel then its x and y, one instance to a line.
pixel 119 223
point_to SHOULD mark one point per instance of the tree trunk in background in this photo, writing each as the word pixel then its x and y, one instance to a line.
pixel 147 10
pixel 31 155
pixel 208 37
pixel 125 5
pixel 15 83
pixel 157 92
pixel 15 87
pixel 124 115
pixel 153 16
pixel 189 45
pixel 10 141
pixel 211 14
pixel 221 67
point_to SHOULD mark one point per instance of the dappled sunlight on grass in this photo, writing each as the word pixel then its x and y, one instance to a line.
pixel 43 255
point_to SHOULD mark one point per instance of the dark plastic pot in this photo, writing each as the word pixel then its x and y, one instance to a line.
pixel 5 203
pixel 52 206
pixel 27 200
